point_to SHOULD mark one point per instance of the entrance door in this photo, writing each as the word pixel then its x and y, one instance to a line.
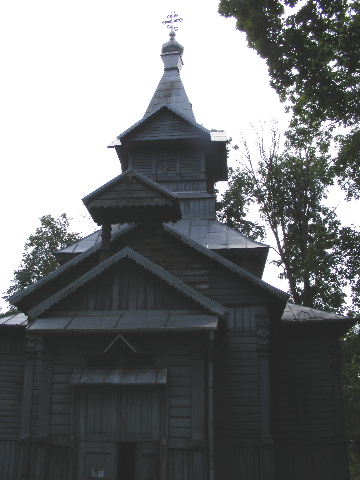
pixel 98 460
pixel 118 434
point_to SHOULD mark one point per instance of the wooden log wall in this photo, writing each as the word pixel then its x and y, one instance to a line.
pixel 165 126
pixel 243 437
pixel 11 390
pixel 307 414
pixel 54 441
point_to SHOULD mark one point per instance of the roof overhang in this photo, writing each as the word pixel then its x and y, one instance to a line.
pixel 143 321
pixel 132 198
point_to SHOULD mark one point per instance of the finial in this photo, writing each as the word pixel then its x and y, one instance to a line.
pixel 172 19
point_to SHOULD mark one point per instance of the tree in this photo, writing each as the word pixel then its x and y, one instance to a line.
pixel 290 189
pixel 38 257
pixel 318 256
pixel 312 51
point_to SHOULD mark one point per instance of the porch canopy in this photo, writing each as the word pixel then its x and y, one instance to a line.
pixel 125 321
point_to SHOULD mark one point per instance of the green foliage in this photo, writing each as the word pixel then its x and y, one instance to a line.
pixel 347 164
pixel 351 394
pixel 290 189
pixel 38 257
pixel 312 51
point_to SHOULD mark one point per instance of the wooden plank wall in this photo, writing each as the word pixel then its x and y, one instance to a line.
pixel 243 447
pixel 185 420
pixel 177 166
pixel 126 286
pixel 205 275
pixel 165 126
pixel 198 207
pixel 307 417
pixel 11 387
pixel 184 186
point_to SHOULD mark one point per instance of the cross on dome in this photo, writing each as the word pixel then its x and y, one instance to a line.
pixel 172 19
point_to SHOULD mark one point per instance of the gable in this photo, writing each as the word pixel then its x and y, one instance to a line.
pixel 164 124
pixel 126 286
pixel 213 277
pixel 131 198
pixel 106 282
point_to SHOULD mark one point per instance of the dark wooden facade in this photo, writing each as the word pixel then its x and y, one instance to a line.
pixel 158 352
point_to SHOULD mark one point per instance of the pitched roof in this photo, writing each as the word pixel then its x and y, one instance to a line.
pixel 126 321
pixel 228 264
pixel 132 197
pixel 94 240
pixel 130 254
pixel 152 115
pixel 300 315
pixel 15 320
pixel 170 92
pixel 207 232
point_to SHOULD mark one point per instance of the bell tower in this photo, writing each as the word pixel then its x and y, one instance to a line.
pixel 170 147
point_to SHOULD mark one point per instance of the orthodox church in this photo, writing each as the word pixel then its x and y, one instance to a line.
pixel 156 351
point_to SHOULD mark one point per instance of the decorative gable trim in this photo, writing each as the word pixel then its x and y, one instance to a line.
pixel 132 198
pixel 130 254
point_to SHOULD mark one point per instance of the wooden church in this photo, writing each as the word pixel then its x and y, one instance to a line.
pixel 156 351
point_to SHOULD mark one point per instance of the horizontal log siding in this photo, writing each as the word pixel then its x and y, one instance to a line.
pixel 237 389
pixel 164 126
pixel 35 413
pixel 185 186
pixel 65 360
pixel 193 268
pixel 11 389
pixel 11 385
pixel 303 392
pixel 179 393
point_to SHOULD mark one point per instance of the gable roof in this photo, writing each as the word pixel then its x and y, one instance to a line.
pixel 151 116
pixel 131 197
pixel 209 233
pixel 20 296
pixel 127 253
pixel 228 264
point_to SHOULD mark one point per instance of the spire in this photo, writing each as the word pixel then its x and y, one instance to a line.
pixel 170 91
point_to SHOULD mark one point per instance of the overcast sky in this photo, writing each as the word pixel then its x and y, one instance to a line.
pixel 76 73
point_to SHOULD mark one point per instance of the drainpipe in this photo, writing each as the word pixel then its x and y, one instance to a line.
pixel 211 423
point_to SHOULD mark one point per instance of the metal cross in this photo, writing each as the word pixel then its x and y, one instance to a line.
pixel 171 20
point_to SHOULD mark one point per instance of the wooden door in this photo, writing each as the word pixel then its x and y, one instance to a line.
pixel 147 461
pixel 98 460
pixel 107 420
